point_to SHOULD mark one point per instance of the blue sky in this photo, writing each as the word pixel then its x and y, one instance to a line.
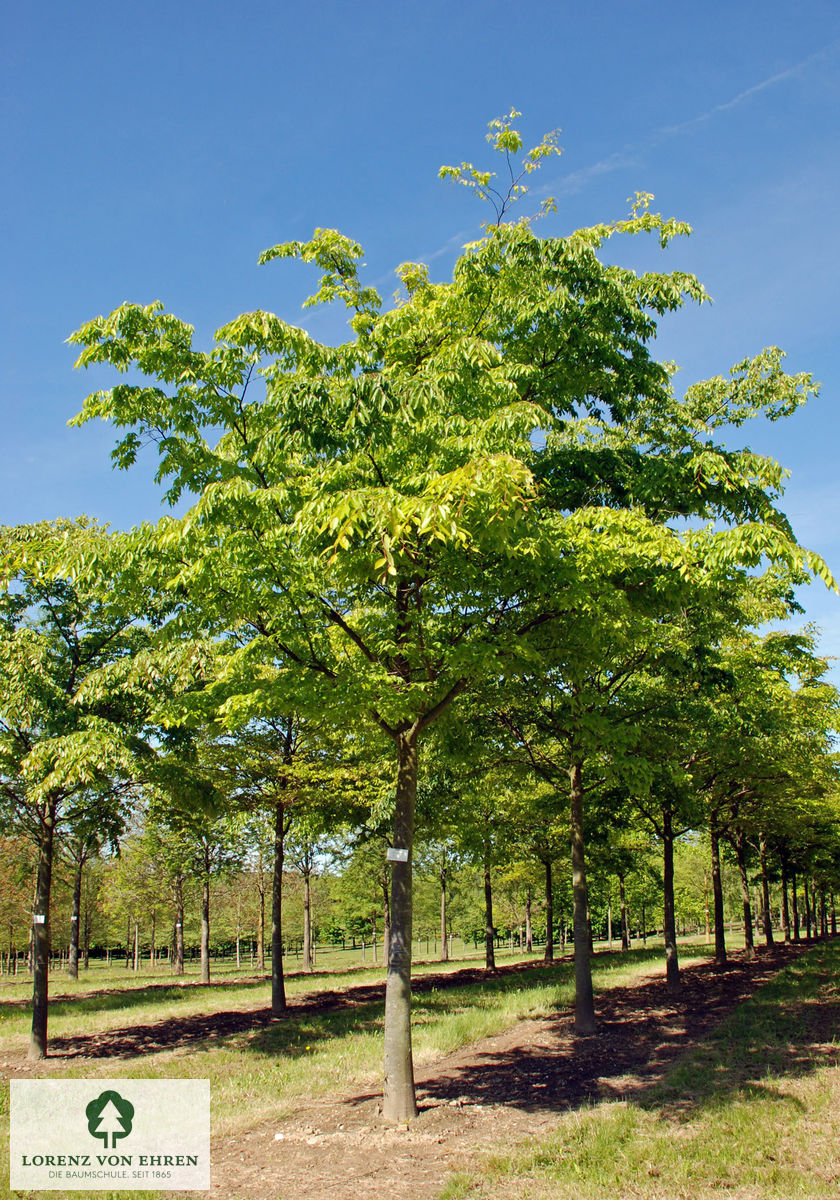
pixel 152 150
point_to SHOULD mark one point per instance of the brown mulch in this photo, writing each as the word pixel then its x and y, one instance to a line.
pixel 488 1096
pixel 494 1093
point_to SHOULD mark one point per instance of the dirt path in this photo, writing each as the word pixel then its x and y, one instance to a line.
pixel 484 1097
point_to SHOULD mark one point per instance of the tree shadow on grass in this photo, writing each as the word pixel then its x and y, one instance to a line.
pixel 193 1029
pixel 729 1030
pixel 109 999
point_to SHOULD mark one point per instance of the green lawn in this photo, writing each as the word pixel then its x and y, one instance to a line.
pixel 263 1073
pixel 752 1112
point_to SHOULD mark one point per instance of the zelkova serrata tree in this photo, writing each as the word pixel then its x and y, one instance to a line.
pixel 379 515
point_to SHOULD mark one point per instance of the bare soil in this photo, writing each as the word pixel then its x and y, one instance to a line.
pixel 487 1096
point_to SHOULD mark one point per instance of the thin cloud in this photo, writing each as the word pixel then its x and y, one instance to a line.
pixel 631 153
pixel 771 81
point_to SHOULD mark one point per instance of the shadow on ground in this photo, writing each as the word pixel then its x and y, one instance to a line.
pixel 643 1031
pixel 192 1029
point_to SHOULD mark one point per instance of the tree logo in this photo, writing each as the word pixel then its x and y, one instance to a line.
pixel 109 1115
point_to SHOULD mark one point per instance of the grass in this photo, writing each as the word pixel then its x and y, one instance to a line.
pixel 752 1112
pixel 262 1074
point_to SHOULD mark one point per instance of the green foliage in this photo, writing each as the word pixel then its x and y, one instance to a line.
pixel 63 751
pixel 489 496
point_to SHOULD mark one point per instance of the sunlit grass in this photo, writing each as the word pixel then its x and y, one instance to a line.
pixel 263 1072
pixel 259 1075
pixel 753 1112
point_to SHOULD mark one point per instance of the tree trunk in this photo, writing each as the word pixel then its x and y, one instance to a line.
pixel 549 912
pixel 179 925
pixel 86 938
pixel 741 855
pixel 717 894
pixel 307 920
pixel 75 919
pixel 444 940
pixel 136 946
pixel 669 928
pixel 399 1102
pixel 794 904
pixel 584 998
pixel 807 900
pixel 489 928
pixel 529 935
pixel 153 954
pixel 205 919
pixel 765 891
pixel 706 906
pixel 386 913
pixel 41 936
pixel 278 984
pixel 785 905
pixel 261 919
pixel 625 924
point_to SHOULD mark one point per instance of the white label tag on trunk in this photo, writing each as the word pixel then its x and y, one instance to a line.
pixel 110 1134
pixel 38 919
pixel 396 854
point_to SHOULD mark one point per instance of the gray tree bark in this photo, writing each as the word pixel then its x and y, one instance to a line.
pixel 399 1103
pixel 549 913
pixel 307 919
pixel 75 919
pixel 794 903
pixel 444 940
pixel 489 927
pixel 41 935
pixel 178 958
pixel 672 965
pixel 717 894
pixel 205 919
pixel 765 891
pixel 584 996
pixel 625 922
pixel 278 984
pixel 741 855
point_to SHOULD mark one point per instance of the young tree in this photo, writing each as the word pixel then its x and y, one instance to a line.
pixel 381 518
pixel 84 843
pixel 66 758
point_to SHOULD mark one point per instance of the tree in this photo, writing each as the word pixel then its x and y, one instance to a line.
pixel 85 844
pixel 382 520
pixel 762 741
pixel 362 890
pixel 66 759
pixel 17 870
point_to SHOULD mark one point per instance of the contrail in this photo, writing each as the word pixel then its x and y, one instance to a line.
pixel 771 81
pixel 630 154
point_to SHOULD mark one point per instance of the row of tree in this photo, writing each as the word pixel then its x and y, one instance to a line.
pixel 125 907
pixel 478 567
